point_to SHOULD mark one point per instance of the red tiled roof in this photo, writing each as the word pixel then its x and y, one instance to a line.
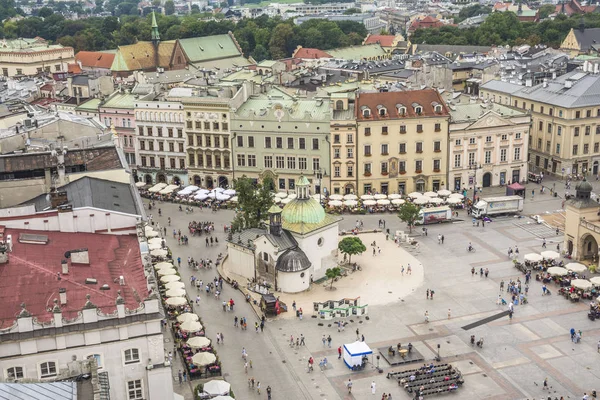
pixel 74 68
pixel 427 22
pixel 30 276
pixel 425 98
pixel 95 59
pixel 47 87
pixel 309 53
pixel 383 40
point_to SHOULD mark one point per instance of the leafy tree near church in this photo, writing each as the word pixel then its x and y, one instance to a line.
pixel 351 245
pixel 254 200
pixel 333 273
pixel 409 213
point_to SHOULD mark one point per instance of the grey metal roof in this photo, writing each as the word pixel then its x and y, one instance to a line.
pixel 584 90
pixel 587 37
pixel 82 80
pixel 38 391
pixel 454 49
pixel 283 242
pixel 473 112
pixel 94 192
pixel 293 260
pixel 504 87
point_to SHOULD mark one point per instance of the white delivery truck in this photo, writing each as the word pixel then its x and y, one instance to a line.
pixel 434 215
pixel 498 205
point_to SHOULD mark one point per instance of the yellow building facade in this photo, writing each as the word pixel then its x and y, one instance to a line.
pixel 344 172
pixel 402 141
pixel 30 57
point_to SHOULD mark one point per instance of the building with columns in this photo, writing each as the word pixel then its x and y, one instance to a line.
pixel 488 145
pixel 160 145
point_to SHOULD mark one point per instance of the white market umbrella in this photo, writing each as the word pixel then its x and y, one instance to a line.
pixel 369 202
pixel 533 257
pixel 380 196
pixel 197 342
pixel 187 317
pixel 162 265
pixel 581 284
pixel 222 197
pixel 217 387
pixel 557 271
pixel 550 255
pixel 335 197
pixel 595 280
pixel 158 253
pixel 223 398
pixel 201 196
pixel 394 196
pixel 277 200
pixel 175 285
pixel 335 203
pixel 166 191
pixel 170 278
pixel 204 358
pixel 350 197
pixel 366 197
pixel 154 246
pixel 234 199
pixel 140 184
pixel 149 231
pixel 436 200
pixel 175 293
pixel 158 187
pixel 229 192
pixel 190 326
pixel 421 200
pixel 383 202
pixel 415 195
pixel 281 195
pixel 430 194
pixel 453 200
pixel 285 201
pixel 398 202
pixel 576 267
pixel 176 301
pixel 457 196
pixel 166 272
pixel 155 240
pixel 444 193
pixel 350 203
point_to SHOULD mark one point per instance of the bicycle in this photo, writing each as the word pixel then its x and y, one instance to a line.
pixel 471 249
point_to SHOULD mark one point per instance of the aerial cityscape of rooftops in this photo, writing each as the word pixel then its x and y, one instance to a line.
pixel 293 177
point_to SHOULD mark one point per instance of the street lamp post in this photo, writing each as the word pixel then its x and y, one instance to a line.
pixel 319 175
pixel 474 168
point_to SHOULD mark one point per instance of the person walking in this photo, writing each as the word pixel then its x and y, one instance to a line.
pixel 449 313
pixel 442 243
pixel 268 392
pixel 408 270
pixel 426 316
pixel 427 294
pixel 349 385
pixel 544 243
pixel 373 387
pixel 329 341
pixel 180 376
pixel 340 350
pixel 302 340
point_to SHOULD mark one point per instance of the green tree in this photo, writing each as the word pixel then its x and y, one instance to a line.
pixel 253 200
pixel 351 245
pixel 409 213
pixel 332 273
pixel 280 39
pixel 169 7
pixel 45 12
pixel 260 53
pixel 195 9
pixel 546 10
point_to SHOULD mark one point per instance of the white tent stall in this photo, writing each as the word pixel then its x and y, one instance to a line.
pixel 354 353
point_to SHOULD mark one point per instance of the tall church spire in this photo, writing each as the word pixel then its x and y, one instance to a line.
pixel 155 33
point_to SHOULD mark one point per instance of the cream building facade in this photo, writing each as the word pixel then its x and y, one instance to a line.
pixel 207 126
pixel 487 145
pixel 403 141
pixel 565 115
pixel 344 172
pixel 33 56
pixel 582 224
pixel 161 143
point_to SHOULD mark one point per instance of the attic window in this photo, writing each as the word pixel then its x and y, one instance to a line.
pixel 438 108
pixel 381 110
pixel 418 108
pixel 401 109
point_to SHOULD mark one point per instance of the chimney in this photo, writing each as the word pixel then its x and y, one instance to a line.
pixel 121 280
pixel 62 292
pixel 65 267
pixel 545 83
pixel 58 198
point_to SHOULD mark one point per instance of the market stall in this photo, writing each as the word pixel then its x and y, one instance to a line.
pixel 356 354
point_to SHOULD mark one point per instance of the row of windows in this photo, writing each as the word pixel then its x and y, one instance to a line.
pixel 400 109
pixel 208 141
pixel 57 68
pixel 161 146
pixel 542 110
pixel 576 131
pixel 385 148
pixel 290 142
pixel 279 162
pixel 487 157
pixel 384 167
pixel 488 139
pixel 349 138
pixel 575 150
pixel 119 122
pixel 205 125
pixel 148 161
pixel 419 129
pixel 149 131
pixel 159 116
pixel 207 161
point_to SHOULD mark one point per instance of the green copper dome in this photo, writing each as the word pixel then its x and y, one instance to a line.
pixel 303 211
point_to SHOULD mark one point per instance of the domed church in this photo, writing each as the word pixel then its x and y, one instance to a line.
pixel 296 248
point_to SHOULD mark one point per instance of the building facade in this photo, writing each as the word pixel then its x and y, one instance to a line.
pixel 30 57
pixel 488 145
pixel 282 137
pixel 343 144
pixel 118 112
pixel 402 141
pixel 160 145
pixel 565 115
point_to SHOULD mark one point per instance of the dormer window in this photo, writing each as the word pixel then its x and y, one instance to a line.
pixel 437 107
pixel 418 108
pixel 366 112
pixel 381 110
pixel 401 110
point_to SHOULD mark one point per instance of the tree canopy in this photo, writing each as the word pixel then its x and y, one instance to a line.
pixel 351 245
pixel 409 213
pixel 332 273
pixel 254 200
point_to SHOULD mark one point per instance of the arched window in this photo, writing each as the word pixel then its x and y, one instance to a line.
pixel 339 105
